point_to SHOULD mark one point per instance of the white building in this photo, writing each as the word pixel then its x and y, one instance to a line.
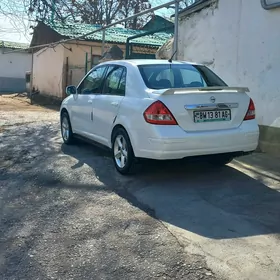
pixel 14 63
pixel 239 40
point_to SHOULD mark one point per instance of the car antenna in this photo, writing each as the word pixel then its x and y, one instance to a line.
pixel 170 59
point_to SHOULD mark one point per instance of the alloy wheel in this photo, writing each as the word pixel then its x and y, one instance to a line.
pixel 65 129
pixel 120 151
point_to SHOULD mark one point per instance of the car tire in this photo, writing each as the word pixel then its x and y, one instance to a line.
pixel 122 152
pixel 66 129
pixel 221 160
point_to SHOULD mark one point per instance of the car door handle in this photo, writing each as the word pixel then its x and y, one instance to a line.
pixel 90 101
pixel 114 104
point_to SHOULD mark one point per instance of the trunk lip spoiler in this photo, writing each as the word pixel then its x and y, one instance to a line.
pixel 170 91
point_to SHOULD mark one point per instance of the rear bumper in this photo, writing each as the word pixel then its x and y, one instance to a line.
pixel 238 140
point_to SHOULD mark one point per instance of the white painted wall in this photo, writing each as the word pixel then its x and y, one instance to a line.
pixel 241 42
pixel 15 64
pixel 48 71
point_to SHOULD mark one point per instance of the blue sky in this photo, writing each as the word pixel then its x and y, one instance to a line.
pixel 16 28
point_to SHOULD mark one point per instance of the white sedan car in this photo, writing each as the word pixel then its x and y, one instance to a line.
pixel 156 109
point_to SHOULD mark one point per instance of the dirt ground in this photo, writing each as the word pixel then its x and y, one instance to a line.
pixel 65 213
pixel 16 109
pixel 15 102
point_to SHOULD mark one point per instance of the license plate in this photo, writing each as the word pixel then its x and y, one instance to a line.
pixel 212 116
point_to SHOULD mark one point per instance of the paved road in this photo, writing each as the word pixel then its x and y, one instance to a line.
pixel 67 214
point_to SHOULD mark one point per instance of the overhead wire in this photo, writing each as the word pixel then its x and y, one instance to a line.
pixel 53 44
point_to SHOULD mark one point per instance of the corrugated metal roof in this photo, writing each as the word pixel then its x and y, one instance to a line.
pixel 112 35
pixel 13 45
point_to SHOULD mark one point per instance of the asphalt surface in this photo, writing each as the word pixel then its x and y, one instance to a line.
pixel 65 213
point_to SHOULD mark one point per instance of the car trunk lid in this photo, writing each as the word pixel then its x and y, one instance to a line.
pixel 204 109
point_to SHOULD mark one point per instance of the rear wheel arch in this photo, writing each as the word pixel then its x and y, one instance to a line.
pixel 124 150
pixel 116 127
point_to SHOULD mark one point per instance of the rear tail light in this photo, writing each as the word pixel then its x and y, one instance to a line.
pixel 250 115
pixel 158 113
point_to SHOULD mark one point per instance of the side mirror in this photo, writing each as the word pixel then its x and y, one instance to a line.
pixel 71 90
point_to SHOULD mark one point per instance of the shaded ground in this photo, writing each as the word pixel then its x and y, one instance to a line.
pixel 66 213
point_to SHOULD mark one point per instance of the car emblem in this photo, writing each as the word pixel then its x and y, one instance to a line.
pixel 212 99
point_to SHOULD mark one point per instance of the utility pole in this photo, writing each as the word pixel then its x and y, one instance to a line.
pixel 103 42
pixel 176 33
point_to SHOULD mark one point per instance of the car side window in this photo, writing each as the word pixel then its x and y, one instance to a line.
pixel 92 82
pixel 115 81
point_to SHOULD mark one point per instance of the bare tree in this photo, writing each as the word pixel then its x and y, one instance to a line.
pixel 98 11
pixel 14 13
pixel 89 11
pixel 167 12
pixel 132 7
pixel 52 9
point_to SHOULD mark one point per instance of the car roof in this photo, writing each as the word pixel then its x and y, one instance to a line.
pixel 148 62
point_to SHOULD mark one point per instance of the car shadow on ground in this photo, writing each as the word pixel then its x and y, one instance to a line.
pixel 49 194
pixel 218 203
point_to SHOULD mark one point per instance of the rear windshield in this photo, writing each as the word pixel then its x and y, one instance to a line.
pixel 161 76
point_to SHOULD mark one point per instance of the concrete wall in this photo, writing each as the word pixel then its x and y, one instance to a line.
pixel 13 67
pixel 48 71
pixel 76 53
pixel 50 65
pixel 240 41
